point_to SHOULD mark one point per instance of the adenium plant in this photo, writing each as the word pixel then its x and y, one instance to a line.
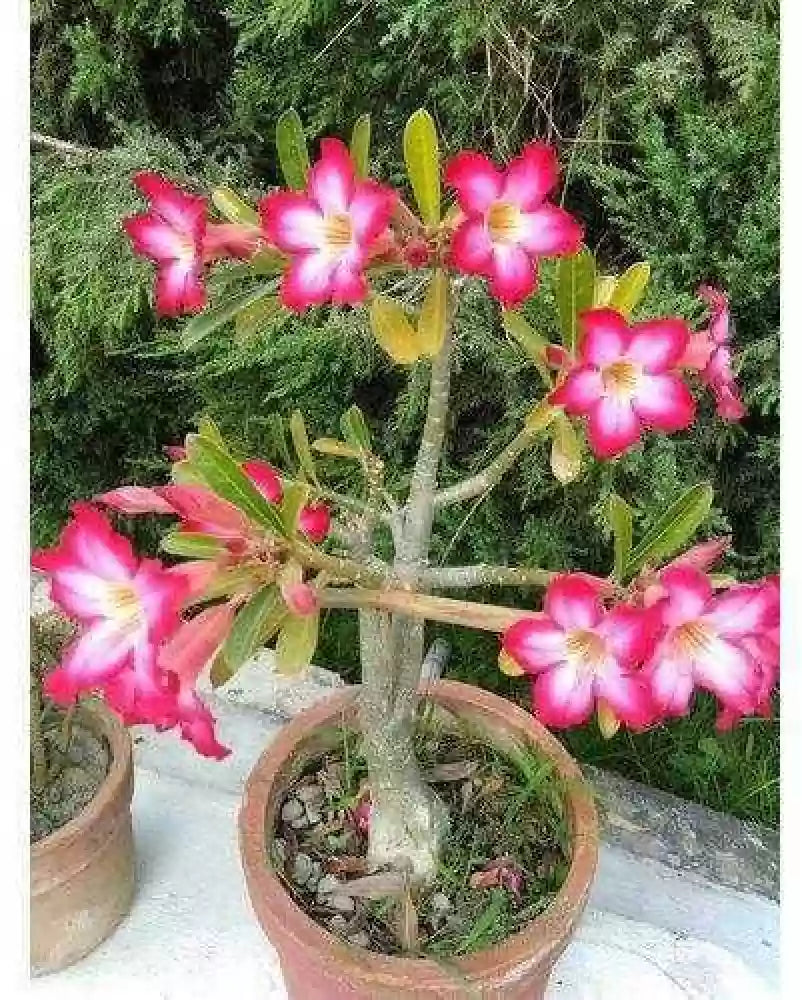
pixel 255 552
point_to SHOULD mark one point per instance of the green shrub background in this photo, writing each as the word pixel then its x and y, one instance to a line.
pixel 666 116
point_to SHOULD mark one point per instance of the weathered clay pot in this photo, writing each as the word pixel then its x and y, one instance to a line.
pixel 318 966
pixel 82 875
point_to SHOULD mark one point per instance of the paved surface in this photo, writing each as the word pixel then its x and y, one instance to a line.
pixel 191 933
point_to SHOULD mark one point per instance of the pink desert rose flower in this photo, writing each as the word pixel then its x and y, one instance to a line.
pixel 314 521
pixel 175 235
pixel 624 380
pixel 508 224
pixel 329 230
pixel 719 642
pixel 127 607
pixel 709 353
pixel 581 655
pixel 266 479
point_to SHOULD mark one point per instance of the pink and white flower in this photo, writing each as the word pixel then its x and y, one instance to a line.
pixel 127 606
pixel 583 656
pixel 329 231
pixel 713 641
pixel 709 354
pixel 175 235
pixel 624 380
pixel 508 224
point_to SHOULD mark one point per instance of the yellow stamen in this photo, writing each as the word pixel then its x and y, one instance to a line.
pixel 503 220
pixel 693 637
pixel 124 601
pixel 621 377
pixel 586 648
pixel 338 232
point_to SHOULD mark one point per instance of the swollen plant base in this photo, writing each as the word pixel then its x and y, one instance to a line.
pixel 319 966
pixel 82 875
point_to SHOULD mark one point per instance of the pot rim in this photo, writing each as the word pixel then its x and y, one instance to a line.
pixel 546 934
pixel 116 786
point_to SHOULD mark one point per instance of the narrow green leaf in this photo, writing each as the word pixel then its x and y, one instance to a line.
pixel 267 261
pixel 208 428
pixel 339 449
pixel 296 644
pixel 672 530
pixel 433 318
pixel 355 429
pixel 195 545
pixel 360 146
pixel 277 431
pixel 257 315
pixel 295 496
pixel 220 670
pixel 207 322
pixel 300 440
pixel 224 476
pixel 576 280
pixel 243 639
pixel 229 204
pixel 533 344
pixel 619 516
pixel 291 147
pixel 231 580
pixel 566 455
pixel 184 473
pixel 629 288
pixel 422 158
pixel 603 289
pixel 393 331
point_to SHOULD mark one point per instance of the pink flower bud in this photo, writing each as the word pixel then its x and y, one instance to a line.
pixel 416 253
pixel 314 521
pixel 175 452
pixel 300 598
pixel 265 478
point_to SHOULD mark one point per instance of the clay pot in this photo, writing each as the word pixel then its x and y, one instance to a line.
pixel 319 966
pixel 82 875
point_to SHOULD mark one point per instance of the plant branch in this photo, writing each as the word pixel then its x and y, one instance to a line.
pixel 43 141
pixel 490 476
pixel 371 571
pixel 483 575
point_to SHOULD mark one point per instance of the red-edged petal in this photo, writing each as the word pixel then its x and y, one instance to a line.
pixel 197 726
pixel 349 285
pixel 184 212
pixel 307 281
pixel 512 274
pixel 549 231
pixel 613 426
pixel 740 611
pixel 572 601
pixel 670 677
pixel 531 176
pixel 535 643
pixel 314 521
pixel 688 592
pixel 563 697
pixel 698 352
pixel 627 694
pixel 471 248
pixel 206 512
pixel 89 541
pixel 629 633
pixel 728 402
pixel 371 209
pixel 581 388
pixel 188 651
pixel 161 595
pixel 98 653
pixel 704 555
pixel 179 288
pixel 292 221
pixel 658 344
pixel 265 478
pixel 604 336
pixel 729 672
pixel 196 575
pixel 664 402
pixel 153 238
pixel 331 180
pixel 136 500
pixel 476 181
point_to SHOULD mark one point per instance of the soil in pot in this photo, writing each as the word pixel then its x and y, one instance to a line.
pixel 505 859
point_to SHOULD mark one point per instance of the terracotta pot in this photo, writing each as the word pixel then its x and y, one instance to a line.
pixel 319 966
pixel 82 875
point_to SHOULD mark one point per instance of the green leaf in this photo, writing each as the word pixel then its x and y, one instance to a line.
pixel 295 496
pixel 244 637
pixel 576 280
pixel 533 344
pixel 256 315
pixel 566 454
pixel 207 322
pixel 225 477
pixel 603 289
pixel 231 580
pixel 339 449
pixel 300 440
pixel 355 429
pixel 629 288
pixel 433 318
pixel 277 432
pixel 220 670
pixel 393 331
pixel 291 147
pixel 619 516
pixel 208 428
pixel 184 473
pixel 195 545
pixel 671 531
pixel 423 164
pixel 360 146
pixel 229 204
pixel 267 261
pixel 296 644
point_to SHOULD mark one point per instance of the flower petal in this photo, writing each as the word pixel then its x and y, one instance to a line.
pixel 265 478
pixel 136 500
pixel 292 221
pixel 670 677
pixel 629 633
pixel 613 426
pixel 307 281
pixel 727 670
pixel 476 181
pixel 512 274
pixel 740 611
pixel 531 176
pixel 549 231
pixel 627 694
pixel 562 697
pixel 331 180
pixel 179 288
pixel 535 643
pixel 604 336
pixel 370 209
pixel 98 653
pixel 153 238
pixel 658 344
pixel 183 211
pixel 572 601
pixel 191 647
pixel 581 388
pixel 204 511
pixel 664 402
pixel 349 285
pixel 688 592
pixel 471 248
